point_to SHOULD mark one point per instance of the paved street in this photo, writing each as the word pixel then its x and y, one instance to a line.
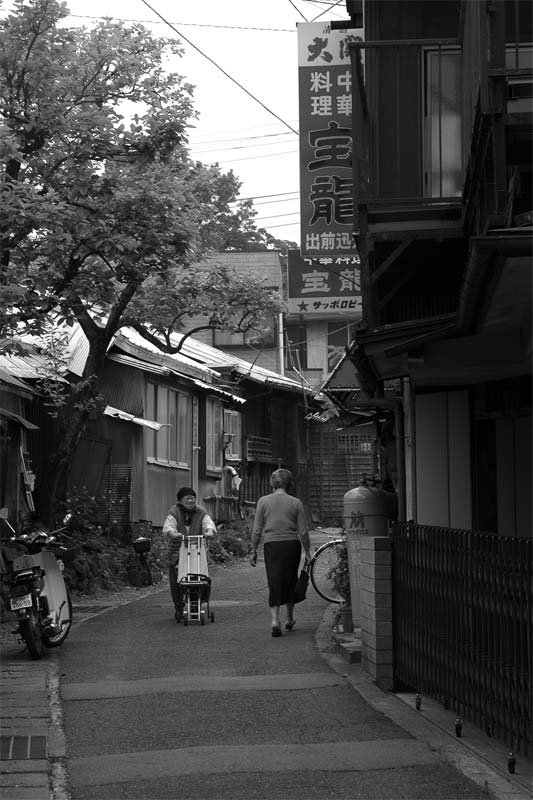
pixel 151 709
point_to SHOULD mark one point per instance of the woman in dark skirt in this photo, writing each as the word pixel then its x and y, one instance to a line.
pixel 280 522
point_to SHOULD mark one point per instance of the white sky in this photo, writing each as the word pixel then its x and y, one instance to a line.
pixel 256 44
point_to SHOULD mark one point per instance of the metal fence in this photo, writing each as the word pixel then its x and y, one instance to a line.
pixel 463 625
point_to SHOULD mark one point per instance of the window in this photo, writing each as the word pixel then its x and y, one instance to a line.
pixel 443 168
pixel 296 347
pixel 233 435
pixel 171 444
pixel 265 338
pixel 213 434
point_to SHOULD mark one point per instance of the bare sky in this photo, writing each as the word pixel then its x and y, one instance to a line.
pixel 256 45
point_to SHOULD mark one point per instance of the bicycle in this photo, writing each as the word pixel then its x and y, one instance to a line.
pixel 323 563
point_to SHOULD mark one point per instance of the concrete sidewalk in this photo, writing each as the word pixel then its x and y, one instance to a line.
pixel 33 747
pixel 25 731
pixel 32 743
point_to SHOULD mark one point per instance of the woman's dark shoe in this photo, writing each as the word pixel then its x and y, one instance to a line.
pixel 290 625
pixel 276 630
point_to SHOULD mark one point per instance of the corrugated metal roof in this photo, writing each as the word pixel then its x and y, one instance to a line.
pixel 137 363
pixel 209 387
pixel 197 360
pixel 218 360
pixel 160 369
pixel 181 362
pixel 212 360
pixel 29 367
pixel 6 377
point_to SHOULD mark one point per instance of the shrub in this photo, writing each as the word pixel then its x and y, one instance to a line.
pixel 340 574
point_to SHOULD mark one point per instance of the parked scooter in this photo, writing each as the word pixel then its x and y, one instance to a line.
pixel 38 593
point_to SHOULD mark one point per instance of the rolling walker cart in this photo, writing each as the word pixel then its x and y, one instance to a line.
pixel 194 580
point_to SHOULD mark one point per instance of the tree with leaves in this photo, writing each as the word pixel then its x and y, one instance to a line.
pixel 103 213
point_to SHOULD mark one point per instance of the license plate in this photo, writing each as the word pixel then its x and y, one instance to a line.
pixel 21 602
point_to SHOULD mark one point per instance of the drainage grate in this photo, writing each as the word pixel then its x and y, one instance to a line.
pixel 15 748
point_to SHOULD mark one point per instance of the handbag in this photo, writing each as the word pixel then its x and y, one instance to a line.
pixel 302 583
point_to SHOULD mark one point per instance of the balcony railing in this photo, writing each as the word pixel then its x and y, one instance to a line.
pixel 424 152
pixel 497 81
pixel 258 448
pixel 407 123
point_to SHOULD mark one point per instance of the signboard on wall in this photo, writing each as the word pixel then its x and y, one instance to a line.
pixel 326 177
pixel 324 287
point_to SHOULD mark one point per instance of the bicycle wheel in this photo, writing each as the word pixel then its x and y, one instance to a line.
pixel 322 562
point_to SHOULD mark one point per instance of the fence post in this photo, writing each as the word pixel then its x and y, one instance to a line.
pixel 376 609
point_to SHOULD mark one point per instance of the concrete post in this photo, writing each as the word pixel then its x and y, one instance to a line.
pixel 376 609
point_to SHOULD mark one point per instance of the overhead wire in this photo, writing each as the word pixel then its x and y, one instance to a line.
pixel 326 10
pixel 283 215
pixel 212 61
pixel 235 147
pixel 240 139
pixel 319 346
pixel 299 11
pixel 254 158
pixel 185 24
pixel 260 196
pixel 239 130
pixel 271 202
pixel 238 147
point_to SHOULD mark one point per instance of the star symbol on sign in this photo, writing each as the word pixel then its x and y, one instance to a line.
pixel 303 306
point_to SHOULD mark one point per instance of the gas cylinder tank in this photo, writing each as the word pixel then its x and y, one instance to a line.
pixel 367 510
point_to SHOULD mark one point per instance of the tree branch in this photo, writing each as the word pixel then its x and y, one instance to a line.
pixel 115 318
pixel 156 341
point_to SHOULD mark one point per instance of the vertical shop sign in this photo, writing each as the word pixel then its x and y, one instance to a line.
pixel 326 177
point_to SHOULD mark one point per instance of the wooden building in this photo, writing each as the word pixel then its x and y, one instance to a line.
pixel 442 145
pixel 442 158
pixel 182 419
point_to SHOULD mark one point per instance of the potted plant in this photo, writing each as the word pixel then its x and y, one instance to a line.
pixel 340 576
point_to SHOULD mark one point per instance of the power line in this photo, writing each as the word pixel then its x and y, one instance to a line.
pixel 298 10
pixel 239 130
pixel 276 216
pixel 254 158
pixel 283 225
pixel 220 68
pixel 261 196
pixel 270 202
pixel 240 139
pixel 200 150
pixel 185 24
pixel 326 10
pixel 320 2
